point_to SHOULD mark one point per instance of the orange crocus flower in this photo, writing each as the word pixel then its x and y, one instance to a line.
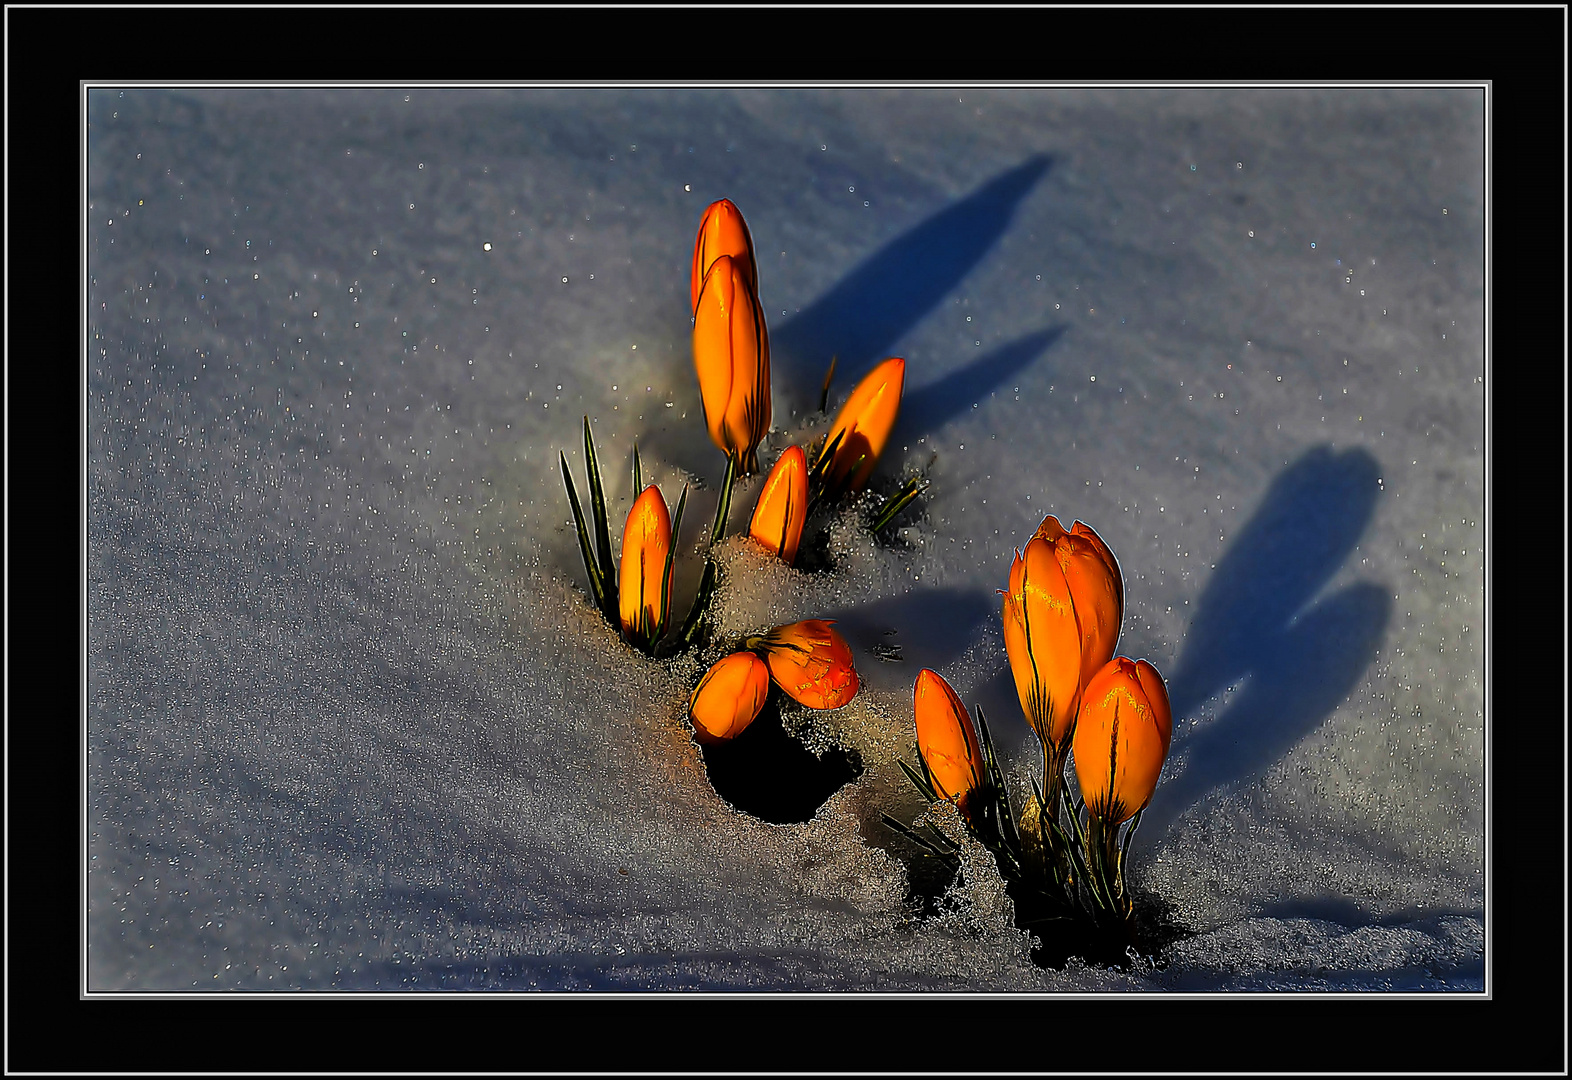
pixel 783 505
pixel 646 543
pixel 721 232
pixel 1121 739
pixel 728 697
pixel 863 426
pixel 731 353
pixel 1061 623
pixel 946 739
pixel 812 663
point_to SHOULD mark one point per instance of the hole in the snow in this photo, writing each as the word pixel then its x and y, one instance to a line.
pixel 772 775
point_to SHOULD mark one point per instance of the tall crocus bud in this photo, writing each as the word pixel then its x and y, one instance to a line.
pixel 643 586
pixel 1121 739
pixel 862 427
pixel 783 505
pixel 947 740
pixel 728 697
pixel 811 662
pixel 721 232
pixel 1061 622
pixel 731 353
pixel 1096 587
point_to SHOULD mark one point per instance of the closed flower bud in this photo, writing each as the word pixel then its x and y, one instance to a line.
pixel 646 542
pixel 1061 622
pixel 731 353
pixel 863 427
pixel 721 232
pixel 811 663
pixel 1121 739
pixel 783 505
pixel 946 739
pixel 728 698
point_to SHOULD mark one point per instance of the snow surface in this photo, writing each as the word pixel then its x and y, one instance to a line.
pixel 353 724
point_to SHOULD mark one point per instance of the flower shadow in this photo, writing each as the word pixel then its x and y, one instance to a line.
pixel 1261 619
pixel 865 313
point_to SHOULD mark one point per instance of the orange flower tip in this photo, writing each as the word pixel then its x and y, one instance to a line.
pixel 946 738
pixel 722 232
pixel 728 698
pixel 783 506
pixel 863 425
pixel 1122 738
pixel 646 542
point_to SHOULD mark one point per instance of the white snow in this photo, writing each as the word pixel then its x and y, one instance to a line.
pixel 353 723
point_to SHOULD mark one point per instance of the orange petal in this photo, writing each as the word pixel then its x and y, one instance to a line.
pixel 646 540
pixel 864 425
pixel 1097 592
pixel 946 738
pixel 731 354
pixel 728 697
pixel 1047 666
pixel 722 231
pixel 1121 739
pixel 783 505
pixel 811 663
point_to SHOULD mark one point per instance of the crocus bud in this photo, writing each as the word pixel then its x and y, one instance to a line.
pixel 863 427
pixel 812 663
pixel 721 232
pixel 1061 622
pixel 646 542
pixel 1096 588
pixel 946 739
pixel 1121 739
pixel 728 698
pixel 783 505
pixel 731 353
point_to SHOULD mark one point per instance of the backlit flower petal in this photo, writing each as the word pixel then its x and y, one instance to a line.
pixel 729 697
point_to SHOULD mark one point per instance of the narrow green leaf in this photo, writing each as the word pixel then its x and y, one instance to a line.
pixel 824 394
pixel 701 603
pixel 898 502
pixel 638 482
pixel 590 567
pixel 608 567
pixel 723 505
pixel 666 572
pixel 922 785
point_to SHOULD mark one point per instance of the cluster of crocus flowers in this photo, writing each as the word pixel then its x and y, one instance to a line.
pixel 842 463
pixel 808 660
pixel 1062 611
pixel 731 343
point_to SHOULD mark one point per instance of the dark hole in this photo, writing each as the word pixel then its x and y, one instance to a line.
pixel 771 775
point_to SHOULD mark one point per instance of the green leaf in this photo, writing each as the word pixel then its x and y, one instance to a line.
pixel 723 505
pixel 701 602
pixel 608 566
pixel 666 571
pixel 921 783
pixel 596 585
pixel 638 483
pixel 824 394
pixel 898 502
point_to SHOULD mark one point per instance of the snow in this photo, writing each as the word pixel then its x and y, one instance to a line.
pixel 353 723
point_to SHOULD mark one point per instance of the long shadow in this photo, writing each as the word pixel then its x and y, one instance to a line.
pixel 930 408
pixel 892 289
pixel 1259 617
